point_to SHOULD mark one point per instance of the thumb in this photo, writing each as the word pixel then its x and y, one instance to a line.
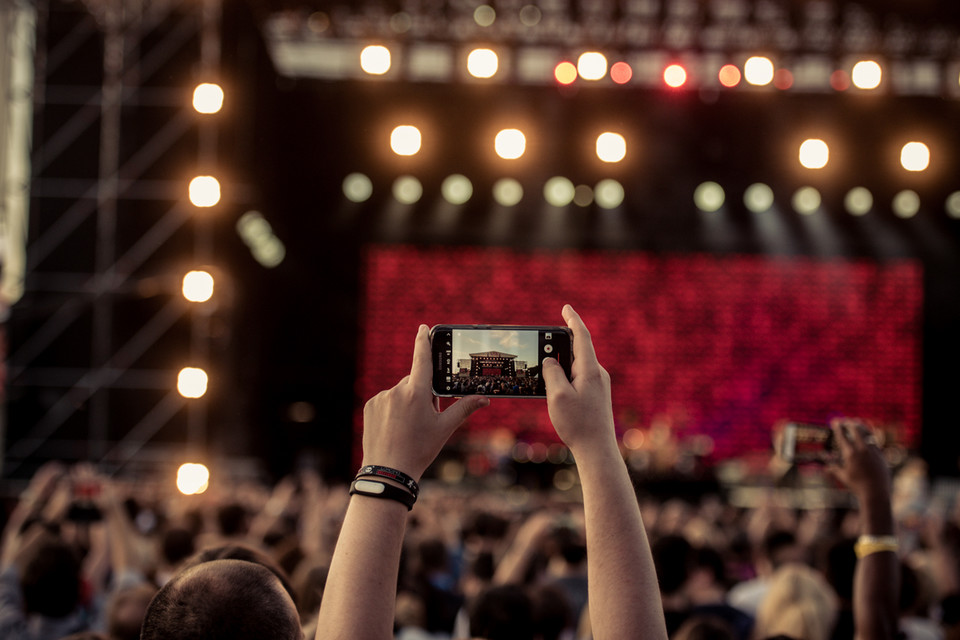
pixel 553 375
pixel 455 415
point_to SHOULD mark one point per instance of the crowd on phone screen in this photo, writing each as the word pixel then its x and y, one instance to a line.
pixel 478 561
pixel 496 385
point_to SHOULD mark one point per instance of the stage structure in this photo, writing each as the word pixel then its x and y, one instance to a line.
pixel 101 328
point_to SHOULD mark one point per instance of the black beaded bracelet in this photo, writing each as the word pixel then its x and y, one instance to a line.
pixel 390 474
pixel 377 489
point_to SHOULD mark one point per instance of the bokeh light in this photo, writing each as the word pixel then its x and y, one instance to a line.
pixel 197 286
pixel 592 65
pixel 675 76
pixel 456 189
pixel 952 205
pixel 208 98
pixel 708 197
pixel 204 191
pixel 407 190
pixel 375 60
pixel 192 478
pixel 758 71
pixel 405 140
pixel 915 156
pixel 621 72
pixel 814 153
pixel 565 72
pixel 484 15
pixel 357 187
pixel 758 197
pixel 192 382
pixel 858 201
pixel 507 192
pixel 806 200
pixel 609 193
pixel 906 204
pixel 510 144
pixel 483 63
pixel 729 75
pixel 611 147
pixel 559 191
pixel 866 74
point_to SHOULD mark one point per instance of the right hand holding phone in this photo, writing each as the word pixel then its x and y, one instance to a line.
pixel 580 409
pixel 862 467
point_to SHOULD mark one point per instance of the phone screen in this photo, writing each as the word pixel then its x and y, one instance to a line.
pixel 807 443
pixel 496 360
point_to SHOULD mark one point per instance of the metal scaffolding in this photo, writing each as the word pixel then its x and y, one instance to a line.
pixel 96 337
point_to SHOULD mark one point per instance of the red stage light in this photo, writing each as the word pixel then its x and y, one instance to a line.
pixel 675 76
pixel 621 72
pixel 729 75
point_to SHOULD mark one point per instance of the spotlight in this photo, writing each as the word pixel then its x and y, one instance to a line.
pixel 192 478
pixel 806 201
pixel 609 194
pixel 866 74
pixel 482 63
pixel 565 73
pixel 814 153
pixel 197 286
pixel 709 197
pixel 407 190
pixel 915 156
pixel 758 197
pixel 583 195
pixel 192 382
pixel 621 72
pixel 507 192
pixel 484 15
pixel 906 204
pixel 858 201
pixel 207 98
pixel 456 189
pixel 675 76
pixel 204 191
pixel 758 71
pixel 375 60
pixel 510 144
pixel 405 140
pixel 611 147
pixel 559 191
pixel 729 75
pixel 357 187
pixel 592 65
pixel 952 205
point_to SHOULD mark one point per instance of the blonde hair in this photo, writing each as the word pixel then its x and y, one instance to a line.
pixel 800 604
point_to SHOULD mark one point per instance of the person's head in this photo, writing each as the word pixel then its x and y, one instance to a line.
pixel 176 545
pixel 503 612
pixel 222 600
pixel 126 609
pixel 780 547
pixel 232 520
pixel 242 552
pixel 672 555
pixel 50 580
pixel 704 627
pixel 800 604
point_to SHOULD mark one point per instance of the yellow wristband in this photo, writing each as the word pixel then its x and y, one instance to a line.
pixel 875 544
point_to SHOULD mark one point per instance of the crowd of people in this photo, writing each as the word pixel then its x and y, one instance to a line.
pixel 496 385
pixel 85 556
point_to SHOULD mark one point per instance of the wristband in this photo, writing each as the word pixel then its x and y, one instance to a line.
pixel 390 474
pixel 866 545
pixel 377 489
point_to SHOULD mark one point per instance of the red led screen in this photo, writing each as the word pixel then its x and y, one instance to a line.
pixel 724 346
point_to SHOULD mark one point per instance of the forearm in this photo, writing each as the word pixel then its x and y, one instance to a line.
pixel 624 594
pixel 876 579
pixel 361 589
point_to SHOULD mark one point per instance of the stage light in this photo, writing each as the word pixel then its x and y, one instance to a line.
pixel 583 195
pixel 482 63
pixel 510 144
pixel 858 201
pixel 906 204
pixel 729 75
pixel 405 140
pixel 675 76
pixel 484 15
pixel 952 205
pixel 565 73
pixel 915 156
pixel 207 98
pixel 507 192
pixel 357 187
pixel 192 382
pixel 709 197
pixel 839 80
pixel 257 234
pixel 197 286
pixel 814 153
pixel 866 74
pixel 611 147
pixel 407 190
pixel 375 59
pixel 592 65
pixel 609 194
pixel 758 197
pixel 558 191
pixel 204 191
pixel 456 189
pixel 758 71
pixel 621 72
pixel 192 479
pixel 806 201
pixel 565 479
pixel 783 79
pixel 530 15
pixel 633 439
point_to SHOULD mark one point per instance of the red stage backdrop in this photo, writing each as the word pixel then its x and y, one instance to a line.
pixel 723 346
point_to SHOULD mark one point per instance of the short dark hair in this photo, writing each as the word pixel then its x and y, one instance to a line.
pixel 51 579
pixel 222 600
pixel 503 612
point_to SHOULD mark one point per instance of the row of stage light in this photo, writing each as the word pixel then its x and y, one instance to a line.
pixel 709 196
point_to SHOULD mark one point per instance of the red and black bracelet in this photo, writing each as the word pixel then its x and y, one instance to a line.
pixel 391 474
pixel 378 489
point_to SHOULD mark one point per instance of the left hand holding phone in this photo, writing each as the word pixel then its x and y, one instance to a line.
pixel 403 427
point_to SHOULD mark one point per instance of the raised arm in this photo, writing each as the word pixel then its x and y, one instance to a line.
pixel 624 597
pixel 402 430
pixel 876 579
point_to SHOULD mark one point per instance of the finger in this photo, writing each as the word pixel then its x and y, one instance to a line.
pixel 582 343
pixel 455 415
pixel 841 437
pixel 421 371
pixel 553 375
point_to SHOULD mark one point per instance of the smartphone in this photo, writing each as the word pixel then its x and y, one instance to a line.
pixel 496 360
pixel 800 442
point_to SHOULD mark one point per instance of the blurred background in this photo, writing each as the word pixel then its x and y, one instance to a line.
pixel 223 221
